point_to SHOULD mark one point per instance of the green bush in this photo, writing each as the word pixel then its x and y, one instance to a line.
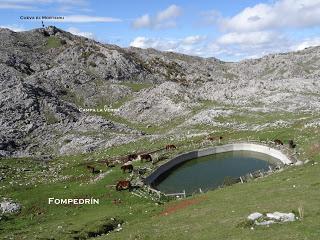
pixel 246 224
pixel 86 55
pixel 228 181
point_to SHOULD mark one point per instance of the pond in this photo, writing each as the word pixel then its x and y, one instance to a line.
pixel 212 171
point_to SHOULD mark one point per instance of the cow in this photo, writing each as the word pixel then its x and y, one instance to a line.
pixel 170 146
pixel 109 164
pixel 292 144
pixel 278 142
pixel 146 157
pixel 132 157
pixel 128 167
pixel 123 185
pixel 93 169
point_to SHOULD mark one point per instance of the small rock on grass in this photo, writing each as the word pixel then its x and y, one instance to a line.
pixel 254 216
pixel 7 206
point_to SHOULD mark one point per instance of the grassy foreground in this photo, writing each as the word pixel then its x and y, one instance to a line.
pixel 212 215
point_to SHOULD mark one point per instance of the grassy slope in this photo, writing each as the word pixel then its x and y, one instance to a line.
pixel 216 217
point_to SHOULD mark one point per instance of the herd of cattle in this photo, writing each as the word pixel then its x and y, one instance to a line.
pixel 127 165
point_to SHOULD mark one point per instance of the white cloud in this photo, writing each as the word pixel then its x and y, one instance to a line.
pixel 8 5
pixel 280 14
pixel 14 28
pixel 250 38
pixel 163 19
pixel 143 21
pixel 139 42
pixel 193 39
pixel 253 32
pixel 237 46
pixel 84 19
pixel 264 28
pixel 229 47
pixel 192 45
pixel 160 44
pixel 309 42
pixel 76 31
pixel 172 11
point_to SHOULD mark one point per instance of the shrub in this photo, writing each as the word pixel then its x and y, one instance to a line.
pixel 246 224
pixel 228 181
pixel 86 54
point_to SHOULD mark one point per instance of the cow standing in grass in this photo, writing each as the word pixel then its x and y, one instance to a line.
pixel 93 169
pixel 126 167
pixel 109 164
pixel 278 142
pixel 292 144
pixel 123 185
pixel 210 138
pixel 170 146
pixel 132 157
pixel 146 157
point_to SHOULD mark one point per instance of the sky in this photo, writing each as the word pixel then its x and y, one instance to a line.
pixel 230 30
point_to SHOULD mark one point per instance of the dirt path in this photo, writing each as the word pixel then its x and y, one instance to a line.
pixel 172 208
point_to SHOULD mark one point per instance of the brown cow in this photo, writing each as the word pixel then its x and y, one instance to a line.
pixel 128 167
pixel 132 157
pixel 278 142
pixel 146 157
pixel 123 185
pixel 170 146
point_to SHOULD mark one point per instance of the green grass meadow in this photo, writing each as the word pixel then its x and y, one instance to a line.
pixel 216 214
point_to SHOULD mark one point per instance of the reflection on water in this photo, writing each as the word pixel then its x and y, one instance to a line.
pixel 209 172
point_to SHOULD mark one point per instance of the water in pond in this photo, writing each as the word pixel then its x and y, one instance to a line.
pixel 209 172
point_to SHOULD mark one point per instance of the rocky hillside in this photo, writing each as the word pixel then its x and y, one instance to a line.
pixel 56 89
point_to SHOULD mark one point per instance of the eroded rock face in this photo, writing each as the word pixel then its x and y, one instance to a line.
pixel 208 117
pixel 159 104
pixel 47 75
pixel 43 87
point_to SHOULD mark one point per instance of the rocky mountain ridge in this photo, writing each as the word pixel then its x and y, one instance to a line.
pixel 47 75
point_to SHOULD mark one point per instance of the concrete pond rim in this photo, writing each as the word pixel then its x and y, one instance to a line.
pixel 254 147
